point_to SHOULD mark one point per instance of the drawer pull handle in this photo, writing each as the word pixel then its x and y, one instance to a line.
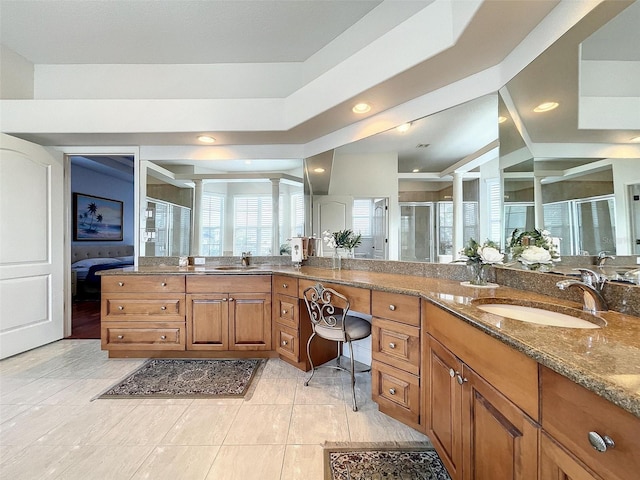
pixel 163 337
pixel 121 284
pixel 284 343
pixel 164 284
pixel 461 380
pixel 284 312
pixel 392 345
pixel 163 308
pixel 224 299
pixel 392 307
pixel 601 444
pixel 284 285
pixel 392 391
pixel 120 337
pixel 120 307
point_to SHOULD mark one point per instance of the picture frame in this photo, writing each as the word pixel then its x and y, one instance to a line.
pixel 97 218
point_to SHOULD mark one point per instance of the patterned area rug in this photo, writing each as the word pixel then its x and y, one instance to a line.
pixel 161 378
pixel 383 461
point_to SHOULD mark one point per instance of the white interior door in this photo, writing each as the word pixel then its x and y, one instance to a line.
pixel 31 246
pixel 332 213
pixel 380 222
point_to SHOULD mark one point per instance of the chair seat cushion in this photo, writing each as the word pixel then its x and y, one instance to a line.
pixel 356 328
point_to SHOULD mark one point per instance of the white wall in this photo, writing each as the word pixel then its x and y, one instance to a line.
pixel 16 76
pixel 625 173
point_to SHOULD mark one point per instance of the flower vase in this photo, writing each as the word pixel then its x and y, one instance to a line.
pixel 477 273
pixel 337 260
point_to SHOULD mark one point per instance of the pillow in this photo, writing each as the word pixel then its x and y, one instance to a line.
pixel 89 262
pixel 128 259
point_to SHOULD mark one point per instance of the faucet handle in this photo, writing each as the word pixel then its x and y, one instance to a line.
pixel 592 278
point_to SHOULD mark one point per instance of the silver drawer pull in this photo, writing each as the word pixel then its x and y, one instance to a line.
pixel 231 299
pixel 392 391
pixel 121 284
pixel 601 444
pixel 452 372
pixel 163 308
pixel 461 380
pixel 120 337
pixel 224 299
pixel 163 337
pixel 392 307
pixel 284 285
pixel 120 307
pixel 164 284
pixel 392 345
pixel 284 312
pixel 284 343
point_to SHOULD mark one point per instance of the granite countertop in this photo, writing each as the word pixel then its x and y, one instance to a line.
pixel 605 360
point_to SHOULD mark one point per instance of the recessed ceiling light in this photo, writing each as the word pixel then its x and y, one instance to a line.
pixel 247 162
pixel 318 170
pixel 361 108
pixel 502 119
pixel 404 127
pixel 415 170
pixel 545 107
pixel 206 139
pixel 635 139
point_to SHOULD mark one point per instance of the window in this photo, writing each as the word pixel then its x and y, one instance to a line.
pixel 445 225
pixel 362 216
pixel 252 227
pixel 212 218
pixel 297 215
pixel 520 216
pixel 494 193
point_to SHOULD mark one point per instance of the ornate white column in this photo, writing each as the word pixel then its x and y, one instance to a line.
pixel 458 215
pixel 275 204
pixel 538 209
pixel 197 218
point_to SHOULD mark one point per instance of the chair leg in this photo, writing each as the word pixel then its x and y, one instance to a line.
pixel 313 369
pixel 353 378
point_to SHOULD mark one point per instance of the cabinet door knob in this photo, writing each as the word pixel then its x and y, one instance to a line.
pixel 121 284
pixel 284 343
pixel 392 307
pixel 164 284
pixel 120 337
pixel 460 379
pixel 231 299
pixel 284 312
pixel 224 299
pixel 392 345
pixel 163 337
pixel 601 443
pixel 120 307
pixel 284 285
pixel 163 308
pixel 392 391
pixel 452 372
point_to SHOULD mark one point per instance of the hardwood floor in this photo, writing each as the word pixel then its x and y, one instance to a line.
pixel 85 319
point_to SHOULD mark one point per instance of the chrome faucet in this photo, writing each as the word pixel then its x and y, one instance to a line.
pixel 602 257
pixel 591 286
pixel 246 259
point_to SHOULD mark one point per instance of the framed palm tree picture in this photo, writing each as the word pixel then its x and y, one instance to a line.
pixel 96 218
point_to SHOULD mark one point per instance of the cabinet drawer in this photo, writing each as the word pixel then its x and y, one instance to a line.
pixel 288 344
pixel 396 392
pixel 359 298
pixel 402 308
pixel 570 412
pixel 136 306
pixel 286 310
pixel 396 344
pixel 228 283
pixel 143 336
pixel 285 285
pixel 142 283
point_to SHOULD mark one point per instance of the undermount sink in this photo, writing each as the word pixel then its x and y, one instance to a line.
pixel 539 313
pixel 233 267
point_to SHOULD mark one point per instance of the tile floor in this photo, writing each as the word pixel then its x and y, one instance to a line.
pixel 51 429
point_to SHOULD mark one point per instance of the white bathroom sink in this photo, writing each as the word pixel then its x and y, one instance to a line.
pixel 539 313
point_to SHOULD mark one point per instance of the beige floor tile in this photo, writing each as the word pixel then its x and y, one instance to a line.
pixel 80 392
pixel 202 425
pixel 260 424
pixel 144 425
pixel 368 424
pixel 107 462
pixel 217 401
pixel 36 391
pixel 320 391
pixel 28 426
pixel 177 462
pixel 274 391
pixel 314 424
pixel 303 462
pixel 7 412
pixel 41 462
pixel 277 368
pixel 248 462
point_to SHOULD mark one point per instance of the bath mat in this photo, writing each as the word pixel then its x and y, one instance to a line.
pixel 394 460
pixel 189 378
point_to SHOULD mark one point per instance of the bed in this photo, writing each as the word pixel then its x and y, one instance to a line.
pixel 88 260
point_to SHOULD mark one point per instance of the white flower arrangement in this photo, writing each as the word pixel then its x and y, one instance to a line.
pixel 486 254
pixel 533 249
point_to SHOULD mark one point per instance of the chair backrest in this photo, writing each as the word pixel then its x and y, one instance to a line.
pixel 327 308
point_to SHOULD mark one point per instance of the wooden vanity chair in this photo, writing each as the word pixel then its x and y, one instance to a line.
pixel 330 319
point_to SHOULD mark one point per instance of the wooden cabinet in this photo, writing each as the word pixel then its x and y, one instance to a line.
pixel 478 430
pixel 571 414
pixel 292 327
pixel 230 312
pixel 557 464
pixel 395 350
pixel 144 312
